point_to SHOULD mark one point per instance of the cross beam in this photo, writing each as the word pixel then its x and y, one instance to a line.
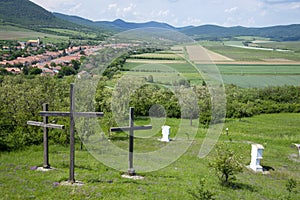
pixel 68 114
pixel 45 125
pixel 131 129
pixel 41 124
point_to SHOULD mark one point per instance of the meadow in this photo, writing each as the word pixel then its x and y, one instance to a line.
pixel 243 54
pixel 276 132
pixel 8 32
pixel 251 75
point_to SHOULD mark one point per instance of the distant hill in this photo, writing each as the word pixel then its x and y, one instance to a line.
pixel 117 25
pixel 280 33
pixel 25 13
pixel 213 32
pixel 88 23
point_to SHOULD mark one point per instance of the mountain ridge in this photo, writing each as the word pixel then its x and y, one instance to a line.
pixel 279 32
pixel 35 17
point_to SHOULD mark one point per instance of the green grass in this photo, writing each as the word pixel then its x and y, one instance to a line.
pixel 260 69
pixel 243 54
pixel 8 32
pixel 72 32
pixel 241 75
pixel 161 56
pixel 261 81
pixel 276 132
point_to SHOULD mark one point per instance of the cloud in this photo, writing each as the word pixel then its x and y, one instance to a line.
pixel 129 8
pixel 112 6
pixel 280 1
pixel 163 13
pixel 231 10
pixel 295 6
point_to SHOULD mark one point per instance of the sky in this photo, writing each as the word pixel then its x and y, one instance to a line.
pixel 179 13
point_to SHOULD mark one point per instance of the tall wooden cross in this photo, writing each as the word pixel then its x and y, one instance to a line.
pixel 130 128
pixel 46 126
pixel 71 114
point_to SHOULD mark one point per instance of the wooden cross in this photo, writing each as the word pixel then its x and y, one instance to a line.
pixel 71 114
pixel 130 128
pixel 46 126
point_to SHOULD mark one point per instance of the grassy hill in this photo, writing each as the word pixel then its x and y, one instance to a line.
pixel 34 17
pixel 28 14
pixel 279 33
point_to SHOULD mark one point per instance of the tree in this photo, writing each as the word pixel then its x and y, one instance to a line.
pixel 188 102
pixel 53 64
pixel 35 71
pixel 226 164
pixel 3 71
pixel 75 64
pixel 66 71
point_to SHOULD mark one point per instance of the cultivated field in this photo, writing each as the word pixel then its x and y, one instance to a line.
pixel 265 70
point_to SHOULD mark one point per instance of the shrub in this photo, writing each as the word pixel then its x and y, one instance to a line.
pixel 226 164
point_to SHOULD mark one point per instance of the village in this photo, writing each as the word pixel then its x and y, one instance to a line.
pixel 45 57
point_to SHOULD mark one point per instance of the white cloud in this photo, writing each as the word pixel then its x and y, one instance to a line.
pixel 231 10
pixel 163 13
pixel 295 6
pixel 112 6
pixel 129 8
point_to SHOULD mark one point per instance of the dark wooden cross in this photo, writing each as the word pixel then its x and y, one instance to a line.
pixel 71 114
pixel 130 128
pixel 46 126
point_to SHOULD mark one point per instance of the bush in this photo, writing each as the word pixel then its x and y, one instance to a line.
pixel 226 164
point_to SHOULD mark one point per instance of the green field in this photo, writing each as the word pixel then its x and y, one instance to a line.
pixel 71 32
pixel 8 32
pixel 241 75
pixel 243 54
pixel 294 46
pixel 158 56
pixel 276 132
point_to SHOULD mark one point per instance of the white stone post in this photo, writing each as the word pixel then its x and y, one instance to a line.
pixel 256 156
pixel 165 133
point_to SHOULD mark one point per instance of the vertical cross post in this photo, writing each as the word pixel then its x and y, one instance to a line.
pixel 131 129
pixel 46 127
pixel 72 136
pixel 131 171
pixel 45 139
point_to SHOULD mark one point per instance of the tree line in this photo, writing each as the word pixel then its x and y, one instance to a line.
pixel 21 99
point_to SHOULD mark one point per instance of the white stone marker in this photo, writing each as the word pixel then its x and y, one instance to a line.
pixel 256 156
pixel 165 133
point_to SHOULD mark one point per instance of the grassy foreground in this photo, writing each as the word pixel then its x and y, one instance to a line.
pixel 276 132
